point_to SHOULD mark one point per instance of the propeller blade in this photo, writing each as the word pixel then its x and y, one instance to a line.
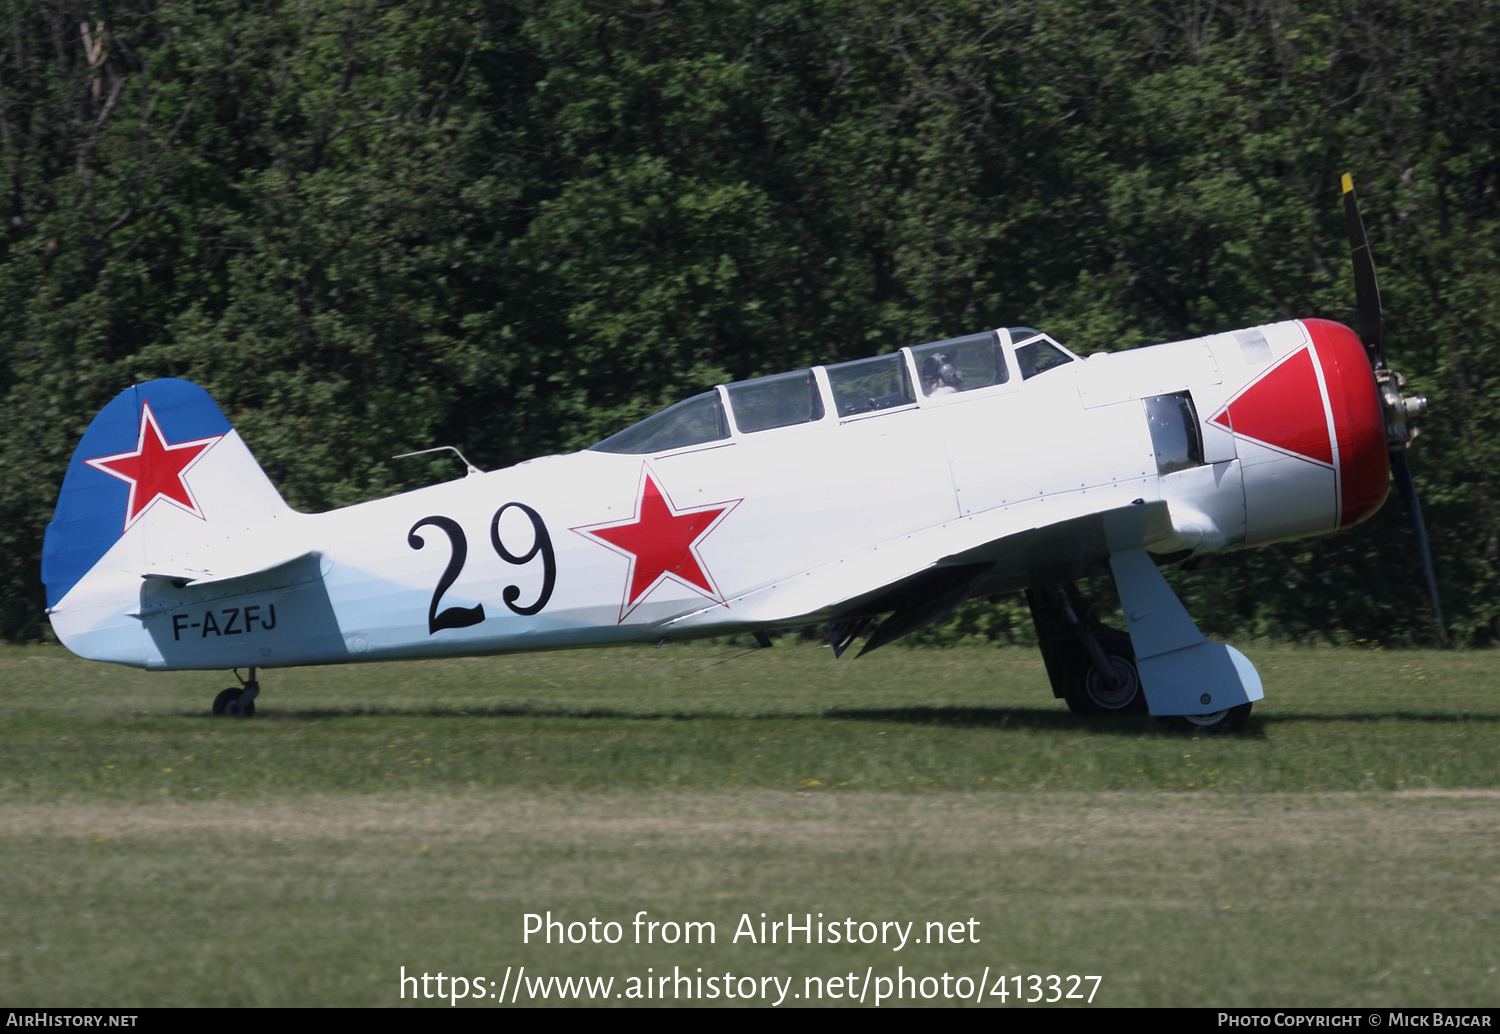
pixel 1371 323
pixel 1408 490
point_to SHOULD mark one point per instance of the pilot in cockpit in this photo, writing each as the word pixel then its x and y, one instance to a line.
pixel 941 376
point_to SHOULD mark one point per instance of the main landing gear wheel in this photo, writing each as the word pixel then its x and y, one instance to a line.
pixel 1091 666
pixel 1231 719
pixel 1088 692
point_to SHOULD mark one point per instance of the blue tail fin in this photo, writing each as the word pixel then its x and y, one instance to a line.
pixel 161 458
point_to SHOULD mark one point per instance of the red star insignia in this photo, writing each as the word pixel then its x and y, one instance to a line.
pixel 661 542
pixel 155 469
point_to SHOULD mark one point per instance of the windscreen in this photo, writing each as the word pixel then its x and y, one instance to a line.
pixel 1036 353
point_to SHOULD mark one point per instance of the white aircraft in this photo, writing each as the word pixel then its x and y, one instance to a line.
pixel 873 495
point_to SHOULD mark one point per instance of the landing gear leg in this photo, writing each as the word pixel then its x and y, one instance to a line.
pixel 238 701
pixel 1092 667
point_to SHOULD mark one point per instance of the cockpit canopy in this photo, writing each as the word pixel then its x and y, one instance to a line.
pixel 781 400
pixel 863 386
pixel 961 364
pixel 1037 353
pixel 694 421
pixel 870 385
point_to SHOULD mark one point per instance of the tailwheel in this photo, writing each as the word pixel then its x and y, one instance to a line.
pixel 238 701
pixel 1231 719
pixel 228 703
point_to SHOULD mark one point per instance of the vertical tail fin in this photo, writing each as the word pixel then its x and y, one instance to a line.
pixel 158 484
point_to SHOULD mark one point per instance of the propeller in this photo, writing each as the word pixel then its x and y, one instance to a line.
pixel 1397 407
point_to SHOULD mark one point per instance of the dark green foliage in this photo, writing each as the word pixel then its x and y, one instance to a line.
pixel 368 228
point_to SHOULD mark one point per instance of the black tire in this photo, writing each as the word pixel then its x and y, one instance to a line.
pixel 1231 719
pixel 226 703
pixel 1088 693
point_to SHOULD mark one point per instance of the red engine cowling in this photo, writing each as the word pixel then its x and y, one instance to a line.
pixel 1310 438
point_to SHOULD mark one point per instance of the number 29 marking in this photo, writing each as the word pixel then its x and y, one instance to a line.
pixel 463 617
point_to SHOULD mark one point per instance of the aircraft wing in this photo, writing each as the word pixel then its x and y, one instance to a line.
pixel 937 568
pixel 1069 548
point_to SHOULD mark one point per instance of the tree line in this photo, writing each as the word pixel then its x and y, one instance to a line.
pixel 367 228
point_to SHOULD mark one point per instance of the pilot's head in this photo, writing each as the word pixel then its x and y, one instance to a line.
pixel 939 372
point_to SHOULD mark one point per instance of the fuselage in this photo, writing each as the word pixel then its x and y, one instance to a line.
pixel 764 503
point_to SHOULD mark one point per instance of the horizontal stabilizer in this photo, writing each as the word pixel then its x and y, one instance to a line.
pixel 1181 671
pixel 168 591
pixel 278 616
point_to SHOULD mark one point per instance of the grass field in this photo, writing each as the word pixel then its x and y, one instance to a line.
pixel 1342 850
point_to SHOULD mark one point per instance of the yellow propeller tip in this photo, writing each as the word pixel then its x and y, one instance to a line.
pixel 1348 183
